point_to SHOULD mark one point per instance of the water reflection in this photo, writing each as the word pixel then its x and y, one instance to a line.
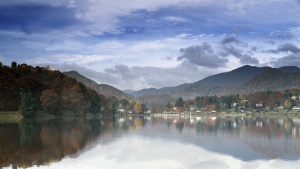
pixel 40 142
pixel 134 142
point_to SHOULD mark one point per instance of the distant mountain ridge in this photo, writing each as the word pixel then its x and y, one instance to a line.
pixel 236 77
pixel 104 89
pixel 273 79
pixel 246 79
pixel 128 91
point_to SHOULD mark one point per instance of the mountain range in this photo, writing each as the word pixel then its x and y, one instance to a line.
pixel 104 89
pixel 246 79
pixel 243 80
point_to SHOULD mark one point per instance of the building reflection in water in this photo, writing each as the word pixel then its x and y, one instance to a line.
pixel 44 142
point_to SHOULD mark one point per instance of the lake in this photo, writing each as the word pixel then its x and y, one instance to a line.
pixel 151 142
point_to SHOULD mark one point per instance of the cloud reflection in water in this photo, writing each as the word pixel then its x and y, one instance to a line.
pixel 135 152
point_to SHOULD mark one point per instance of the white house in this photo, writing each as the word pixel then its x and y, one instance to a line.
pixel 193 108
pixel 294 97
pixel 259 105
pixel 280 108
pixel 296 108
pixel 121 110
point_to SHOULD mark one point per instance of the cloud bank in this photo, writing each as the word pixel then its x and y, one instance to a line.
pixel 202 55
pixel 150 43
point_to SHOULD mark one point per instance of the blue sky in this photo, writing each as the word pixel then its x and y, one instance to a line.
pixel 151 43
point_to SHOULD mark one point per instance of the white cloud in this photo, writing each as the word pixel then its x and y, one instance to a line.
pixel 175 19
pixel 82 59
pixel 137 77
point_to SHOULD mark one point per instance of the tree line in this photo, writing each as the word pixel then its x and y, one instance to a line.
pixel 31 89
pixel 270 101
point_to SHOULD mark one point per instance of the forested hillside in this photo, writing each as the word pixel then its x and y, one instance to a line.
pixel 104 89
pixel 273 79
pixel 243 80
pixel 236 77
pixel 51 90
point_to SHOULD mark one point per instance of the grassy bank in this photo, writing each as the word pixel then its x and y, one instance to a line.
pixel 15 116
pixel 11 116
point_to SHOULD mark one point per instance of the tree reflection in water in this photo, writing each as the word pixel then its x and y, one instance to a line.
pixel 42 142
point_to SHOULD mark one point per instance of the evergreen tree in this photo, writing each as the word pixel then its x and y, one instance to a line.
pixel 13 65
pixel 95 103
pixel 28 105
pixel 179 102
pixel 197 100
pixel 168 105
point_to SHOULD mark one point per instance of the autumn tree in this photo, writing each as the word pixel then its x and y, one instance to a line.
pixel 138 107
pixel 203 101
pixel 153 108
pixel 288 105
pixel 30 83
pixel 211 107
pixel 132 103
pixel 77 106
pixel 50 101
pixel 28 105
pixel 9 90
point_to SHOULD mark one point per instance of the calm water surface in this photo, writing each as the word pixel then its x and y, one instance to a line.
pixel 151 142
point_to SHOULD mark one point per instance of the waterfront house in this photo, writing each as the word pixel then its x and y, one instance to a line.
pixel 296 108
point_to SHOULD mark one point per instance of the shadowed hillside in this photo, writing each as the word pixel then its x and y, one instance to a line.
pixel 106 90
pixel 246 79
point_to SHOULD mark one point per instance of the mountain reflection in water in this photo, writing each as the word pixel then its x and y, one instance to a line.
pixel 151 142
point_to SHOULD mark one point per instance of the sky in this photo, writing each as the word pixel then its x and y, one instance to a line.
pixel 138 44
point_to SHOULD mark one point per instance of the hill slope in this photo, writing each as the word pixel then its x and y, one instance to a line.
pixel 245 79
pixel 236 77
pixel 273 79
pixel 52 91
pixel 104 89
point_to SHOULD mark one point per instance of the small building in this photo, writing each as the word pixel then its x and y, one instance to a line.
pixel 294 97
pixel 121 110
pixel 193 108
pixel 258 104
pixel 279 108
pixel 296 108
pixel 234 104
pixel 198 111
